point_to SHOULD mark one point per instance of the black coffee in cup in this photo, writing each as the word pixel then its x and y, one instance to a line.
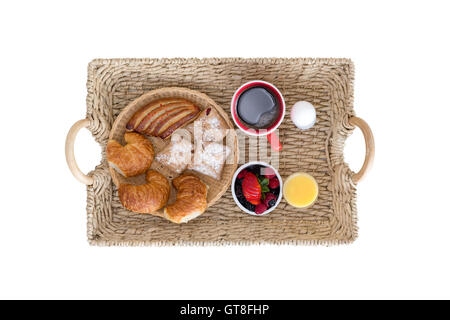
pixel 258 107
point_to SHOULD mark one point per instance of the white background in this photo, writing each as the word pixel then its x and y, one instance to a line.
pixel 402 59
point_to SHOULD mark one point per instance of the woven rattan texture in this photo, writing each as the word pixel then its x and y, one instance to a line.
pixel 327 83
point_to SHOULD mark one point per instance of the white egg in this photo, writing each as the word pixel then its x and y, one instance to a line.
pixel 303 115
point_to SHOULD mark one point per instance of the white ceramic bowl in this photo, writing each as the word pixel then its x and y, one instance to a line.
pixel 234 194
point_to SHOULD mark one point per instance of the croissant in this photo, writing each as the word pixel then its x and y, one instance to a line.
pixel 146 198
pixel 132 159
pixel 191 199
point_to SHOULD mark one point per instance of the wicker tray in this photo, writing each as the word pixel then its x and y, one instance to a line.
pixel 327 83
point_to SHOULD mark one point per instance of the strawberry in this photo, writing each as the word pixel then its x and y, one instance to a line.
pixel 274 183
pixel 251 188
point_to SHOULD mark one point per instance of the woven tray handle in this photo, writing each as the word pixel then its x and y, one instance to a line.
pixel 370 147
pixel 70 155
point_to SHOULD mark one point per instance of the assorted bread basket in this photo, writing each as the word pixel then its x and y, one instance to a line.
pixel 167 164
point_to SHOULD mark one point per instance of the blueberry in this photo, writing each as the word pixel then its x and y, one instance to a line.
pixel 256 169
pixel 240 196
pixel 238 188
pixel 276 191
pixel 247 205
pixel 272 202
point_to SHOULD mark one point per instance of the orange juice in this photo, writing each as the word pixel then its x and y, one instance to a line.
pixel 300 190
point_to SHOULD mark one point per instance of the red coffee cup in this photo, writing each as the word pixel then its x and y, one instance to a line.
pixel 270 131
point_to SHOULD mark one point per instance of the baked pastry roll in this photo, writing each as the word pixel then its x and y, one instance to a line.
pixel 190 201
pixel 162 117
pixel 132 159
pixel 146 198
pixel 178 153
pixel 209 126
pixel 209 158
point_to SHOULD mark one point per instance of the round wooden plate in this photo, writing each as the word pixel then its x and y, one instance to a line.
pixel 216 188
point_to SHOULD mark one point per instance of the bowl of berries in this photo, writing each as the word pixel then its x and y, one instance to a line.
pixel 257 188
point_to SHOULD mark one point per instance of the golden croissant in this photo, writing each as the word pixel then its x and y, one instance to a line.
pixel 132 159
pixel 146 198
pixel 191 199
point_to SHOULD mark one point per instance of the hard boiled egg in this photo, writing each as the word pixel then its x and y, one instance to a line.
pixel 303 115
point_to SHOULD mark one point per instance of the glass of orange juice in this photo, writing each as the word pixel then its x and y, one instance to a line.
pixel 300 190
